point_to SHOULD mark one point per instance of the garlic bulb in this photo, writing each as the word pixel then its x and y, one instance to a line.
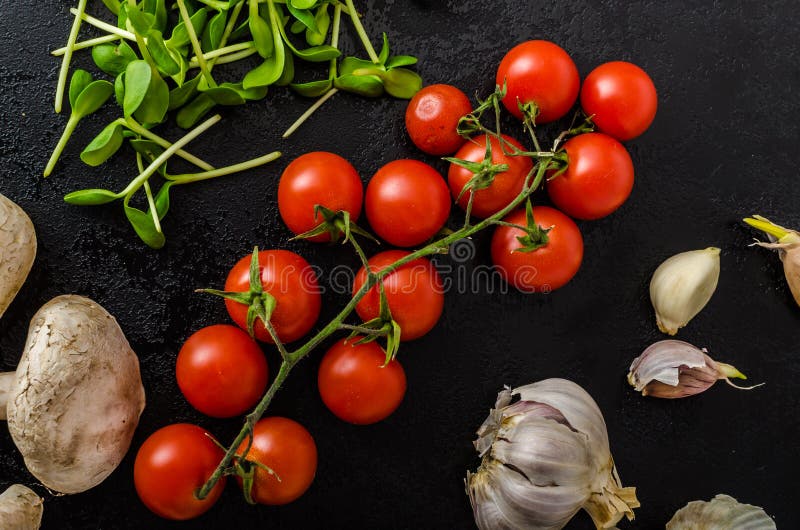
pixel 676 369
pixel 721 513
pixel 544 458
pixel 787 243
pixel 682 286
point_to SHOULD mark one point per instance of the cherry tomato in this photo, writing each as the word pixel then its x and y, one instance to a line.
pixel 432 117
pixel 171 465
pixel 506 185
pixel 293 283
pixel 407 202
pixel 221 371
pixel 546 268
pixel 622 99
pixel 318 178
pixel 598 179
pixel 414 292
pixel 356 386
pixel 288 449
pixel 541 72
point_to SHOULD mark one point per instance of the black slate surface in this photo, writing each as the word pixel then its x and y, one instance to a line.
pixel 724 144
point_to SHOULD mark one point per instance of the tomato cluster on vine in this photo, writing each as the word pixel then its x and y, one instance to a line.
pixel 273 295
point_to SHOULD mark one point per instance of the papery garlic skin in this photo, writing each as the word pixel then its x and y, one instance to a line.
pixel 544 458
pixel 675 369
pixel 721 513
pixel 682 286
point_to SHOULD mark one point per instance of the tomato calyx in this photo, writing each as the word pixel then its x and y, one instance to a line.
pixel 381 326
pixel 337 224
pixel 483 172
pixel 260 304
pixel 245 469
pixel 535 236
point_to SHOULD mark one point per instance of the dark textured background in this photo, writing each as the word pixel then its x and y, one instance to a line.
pixel 724 144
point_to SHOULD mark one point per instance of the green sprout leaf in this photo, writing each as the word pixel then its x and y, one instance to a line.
pixel 113 59
pixel 262 36
pixel 158 9
pixel 80 80
pixel 364 85
pixel 288 71
pixel 119 89
pixel 322 19
pixel 180 36
pixel 141 22
pixel 112 5
pixel 137 82
pixel 302 4
pixel 179 96
pixel 401 83
pixel 162 199
pixel 351 64
pixel 297 27
pixel 190 114
pixel 312 89
pixel 384 55
pixel 304 16
pixel 91 197
pixel 92 98
pixel 104 145
pixel 400 60
pixel 155 103
pixel 144 225
pixel 161 55
pixel 212 34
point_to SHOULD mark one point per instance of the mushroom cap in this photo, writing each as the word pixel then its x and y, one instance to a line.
pixel 77 397
pixel 20 508
pixel 17 250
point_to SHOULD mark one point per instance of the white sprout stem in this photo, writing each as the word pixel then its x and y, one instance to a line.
pixel 198 50
pixel 131 124
pixel 152 203
pixel 193 63
pixel 362 34
pixel 235 168
pixel 105 26
pixel 6 384
pixel 311 110
pixel 163 157
pixel 225 59
pixel 62 74
pixel 86 44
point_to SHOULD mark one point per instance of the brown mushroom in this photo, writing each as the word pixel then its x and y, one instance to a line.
pixel 20 509
pixel 75 399
pixel 17 250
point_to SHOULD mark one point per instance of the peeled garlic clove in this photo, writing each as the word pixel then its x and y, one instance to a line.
pixel 787 243
pixel 545 457
pixel 675 369
pixel 721 513
pixel 682 286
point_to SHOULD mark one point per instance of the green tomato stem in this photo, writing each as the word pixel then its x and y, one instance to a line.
pixel 235 168
pixel 62 142
pixel 64 71
pixel 311 110
pixel 137 183
pixel 85 44
pixel 105 26
pixel 361 33
pixel 198 50
pixel 133 125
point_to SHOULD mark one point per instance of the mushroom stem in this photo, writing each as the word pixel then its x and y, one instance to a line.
pixel 6 382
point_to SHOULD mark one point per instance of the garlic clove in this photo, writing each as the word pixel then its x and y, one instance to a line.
pixel 682 286
pixel 723 512
pixel 675 369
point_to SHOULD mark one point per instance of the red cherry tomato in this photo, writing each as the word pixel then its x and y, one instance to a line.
pixel 546 268
pixel 414 292
pixel 318 178
pixel 541 72
pixel 293 283
pixel 356 386
pixel 622 99
pixel 221 371
pixel 288 449
pixel 432 117
pixel 407 202
pixel 171 465
pixel 506 185
pixel 598 179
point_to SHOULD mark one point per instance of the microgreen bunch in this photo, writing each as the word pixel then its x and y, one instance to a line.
pixel 163 62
